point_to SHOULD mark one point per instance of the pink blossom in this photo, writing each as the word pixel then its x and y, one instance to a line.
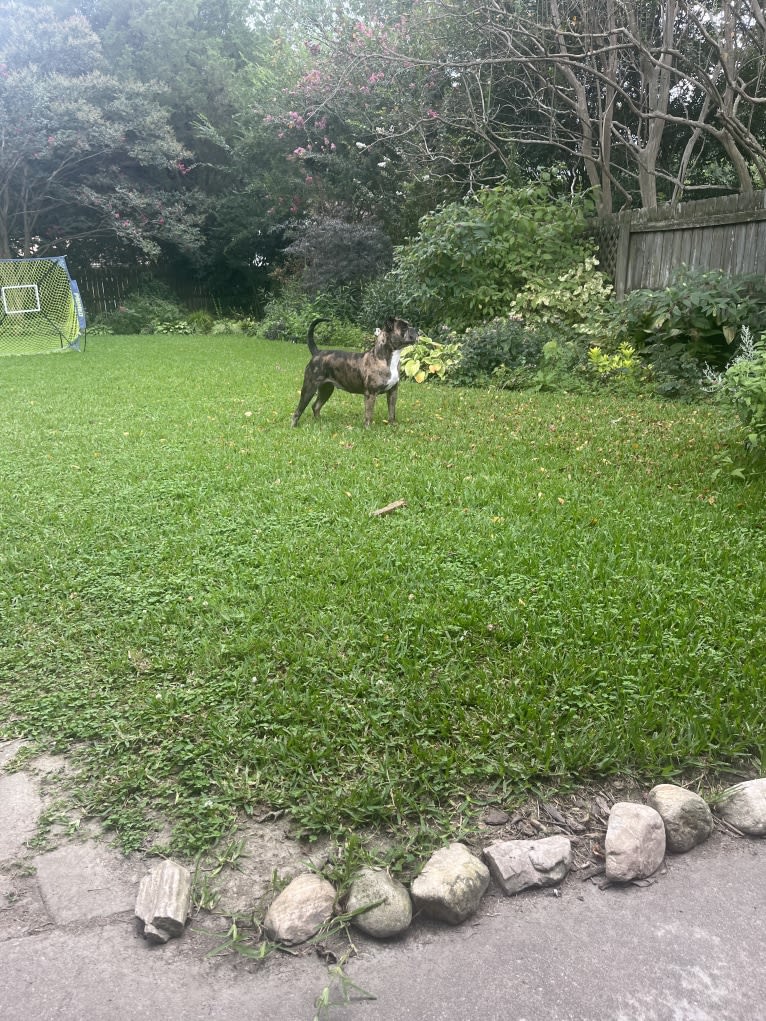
pixel 433 113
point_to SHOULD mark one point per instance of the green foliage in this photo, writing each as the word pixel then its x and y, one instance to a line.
pixel 235 325
pixel 200 321
pixel 622 368
pixel 145 309
pixel 471 259
pixel 503 344
pixel 623 360
pixel 575 304
pixel 382 297
pixel 178 326
pixel 743 384
pixel 289 315
pixel 558 361
pixel 429 359
pixel 85 155
pixel 690 323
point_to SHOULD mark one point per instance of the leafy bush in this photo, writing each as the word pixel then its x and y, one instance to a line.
pixel 471 259
pixel 144 308
pixel 382 297
pixel 429 359
pixel 235 325
pixel 502 342
pixel 743 383
pixel 622 367
pixel 177 326
pixel 690 323
pixel 574 304
pixel 200 321
pixel 289 315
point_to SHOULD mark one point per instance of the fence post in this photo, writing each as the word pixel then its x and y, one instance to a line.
pixel 623 252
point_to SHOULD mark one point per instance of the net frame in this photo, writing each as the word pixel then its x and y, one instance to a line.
pixel 57 321
pixel 20 287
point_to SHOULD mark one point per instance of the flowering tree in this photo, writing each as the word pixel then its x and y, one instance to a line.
pixel 642 99
pixel 83 156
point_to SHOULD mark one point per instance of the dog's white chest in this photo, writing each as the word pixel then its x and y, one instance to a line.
pixel 393 370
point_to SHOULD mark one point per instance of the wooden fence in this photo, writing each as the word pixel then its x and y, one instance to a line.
pixel 105 288
pixel 642 248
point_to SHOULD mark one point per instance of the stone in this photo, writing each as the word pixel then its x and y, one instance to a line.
pixel 687 817
pixel 495 817
pixel 520 864
pixel 744 807
pixel 164 902
pixel 390 917
pixel 635 842
pixel 451 884
pixel 300 910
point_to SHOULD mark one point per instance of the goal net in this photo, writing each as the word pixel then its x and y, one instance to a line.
pixel 40 307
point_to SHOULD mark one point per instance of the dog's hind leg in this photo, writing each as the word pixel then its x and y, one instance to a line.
pixel 306 394
pixel 324 393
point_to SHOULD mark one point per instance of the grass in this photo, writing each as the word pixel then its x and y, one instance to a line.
pixel 198 607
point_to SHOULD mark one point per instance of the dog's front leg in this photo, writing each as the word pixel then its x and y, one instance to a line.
pixel 391 398
pixel 369 406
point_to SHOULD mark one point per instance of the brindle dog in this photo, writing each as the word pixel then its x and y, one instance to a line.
pixel 372 373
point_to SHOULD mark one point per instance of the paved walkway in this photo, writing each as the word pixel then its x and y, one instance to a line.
pixel 689 947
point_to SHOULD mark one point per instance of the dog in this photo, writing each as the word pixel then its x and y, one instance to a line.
pixel 372 373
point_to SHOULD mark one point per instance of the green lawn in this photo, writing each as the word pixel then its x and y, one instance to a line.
pixel 197 605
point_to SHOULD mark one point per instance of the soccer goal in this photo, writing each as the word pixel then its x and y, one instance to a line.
pixel 40 307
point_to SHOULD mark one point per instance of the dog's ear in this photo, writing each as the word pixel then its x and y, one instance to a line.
pixel 388 325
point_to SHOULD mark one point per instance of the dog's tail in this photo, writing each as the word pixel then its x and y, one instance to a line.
pixel 310 337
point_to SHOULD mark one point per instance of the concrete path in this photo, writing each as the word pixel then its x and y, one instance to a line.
pixel 689 947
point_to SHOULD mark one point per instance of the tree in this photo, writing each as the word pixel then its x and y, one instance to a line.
pixel 85 159
pixel 639 96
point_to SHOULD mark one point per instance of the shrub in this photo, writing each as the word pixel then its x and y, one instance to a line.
pixel 177 326
pixel 502 342
pixel 471 259
pixel 144 308
pixel 381 298
pixel 429 359
pixel 622 366
pixel 575 304
pixel 235 325
pixel 289 315
pixel 743 384
pixel 690 323
pixel 200 321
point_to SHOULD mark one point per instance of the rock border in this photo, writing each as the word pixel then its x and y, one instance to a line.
pixel 452 883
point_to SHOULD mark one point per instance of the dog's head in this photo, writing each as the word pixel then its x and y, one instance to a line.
pixel 398 333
